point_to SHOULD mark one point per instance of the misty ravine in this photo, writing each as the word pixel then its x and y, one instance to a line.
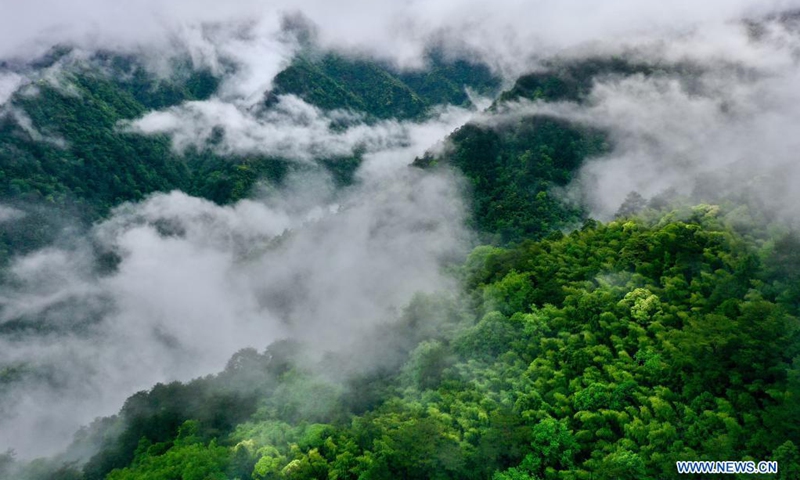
pixel 507 241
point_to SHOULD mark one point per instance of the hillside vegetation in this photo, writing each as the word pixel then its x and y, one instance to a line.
pixel 607 353
pixel 575 349
pixel 64 156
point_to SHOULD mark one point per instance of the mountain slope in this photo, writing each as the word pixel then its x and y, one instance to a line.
pixel 606 354
pixel 336 82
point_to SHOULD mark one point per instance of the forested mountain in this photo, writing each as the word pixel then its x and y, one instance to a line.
pixel 61 138
pixel 513 173
pixel 333 82
pixel 61 145
pixel 565 348
pixel 610 352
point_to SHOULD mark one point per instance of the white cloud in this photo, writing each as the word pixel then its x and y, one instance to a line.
pixel 198 281
pixel 8 214
pixel 729 126
pixel 9 83
pixel 291 129
pixel 505 32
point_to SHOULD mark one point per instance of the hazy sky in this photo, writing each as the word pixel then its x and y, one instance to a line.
pixel 731 126
pixel 506 31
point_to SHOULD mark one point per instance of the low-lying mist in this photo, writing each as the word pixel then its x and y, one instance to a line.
pixel 192 282
pixel 714 118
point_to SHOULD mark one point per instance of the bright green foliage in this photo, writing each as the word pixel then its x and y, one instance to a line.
pixel 186 459
pixel 609 353
pixel 215 404
pixel 642 373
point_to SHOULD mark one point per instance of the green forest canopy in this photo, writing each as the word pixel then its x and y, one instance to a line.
pixel 609 352
pixel 84 165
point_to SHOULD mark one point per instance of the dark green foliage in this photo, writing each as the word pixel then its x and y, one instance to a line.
pixel 92 164
pixel 570 81
pixel 214 404
pixel 97 164
pixel 37 223
pixel 308 81
pixel 127 72
pixel 380 91
pixel 444 81
pixel 226 180
pixel 342 170
pixel 68 153
pixel 513 171
pixel 71 165
pixel 515 168
pixel 88 164
pixel 74 157
pixel 358 85
pixel 68 162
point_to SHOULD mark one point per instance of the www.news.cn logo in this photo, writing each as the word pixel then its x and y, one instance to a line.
pixel 746 467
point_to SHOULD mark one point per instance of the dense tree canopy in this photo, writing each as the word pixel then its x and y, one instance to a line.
pixel 62 149
pixel 610 352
